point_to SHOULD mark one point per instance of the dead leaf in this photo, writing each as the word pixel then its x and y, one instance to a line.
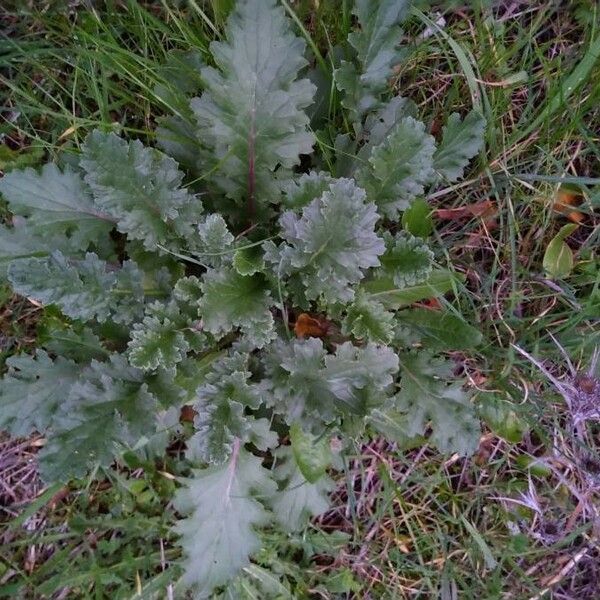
pixel 565 200
pixel 485 209
pixel 187 414
pixel 307 326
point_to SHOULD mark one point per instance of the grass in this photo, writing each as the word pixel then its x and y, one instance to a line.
pixel 518 520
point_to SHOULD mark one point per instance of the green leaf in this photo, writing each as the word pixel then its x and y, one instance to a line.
pixel 32 391
pixel 440 330
pixel 384 290
pixel 159 340
pixel 250 116
pixel 407 259
pixel 140 187
pixel 313 387
pixel 80 344
pixel 368 319
pixel 428 395
pixel 220 404
pixel 399 168
pixel 18 242
pixel 558 259
pixel 331 243
pixel 58 206
pixel 218 536
pixel 232 301
pixel 213 241
pixel 376 45
pixel 392 424
pixel 107 410
pixel 417 218
pixel 297 499
pixel 461 141
pixel 248 260
pixel 312 454
pixel 300 191
pixel 82 289
pixel 501 418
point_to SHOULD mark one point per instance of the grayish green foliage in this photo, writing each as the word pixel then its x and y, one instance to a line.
pixel 140 188
pixel 251 116
pixel 332 242
pixel 461 141
pixel 33 390
pixel 368 319
pixel 428 394
pixel 162 305
pixel 109 406
pixel 220 405
pixel 83 289
pixel 224 505
pixel 57 206
pixel 298 498
pixel 376 47
pixel 231 300
pixel 407 260
pixel 399 168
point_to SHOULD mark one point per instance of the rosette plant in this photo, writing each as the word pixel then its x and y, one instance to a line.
pixel 251 272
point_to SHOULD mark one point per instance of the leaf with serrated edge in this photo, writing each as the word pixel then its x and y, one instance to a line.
pixel 33 390
pixel 251 116
pixel 429 395
pixel 461 141
pixel 399 168
pixel 218 536
pixel 376 45
pixel 140 188
pixel 57 206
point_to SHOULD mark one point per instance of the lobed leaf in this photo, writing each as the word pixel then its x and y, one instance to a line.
pixel 223 509
pixel 251 115
pixel 140 188
pixel 461 141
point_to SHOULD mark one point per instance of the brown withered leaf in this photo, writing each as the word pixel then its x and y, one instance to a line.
pixel 486 209
pixel 307 326
pixel 564 201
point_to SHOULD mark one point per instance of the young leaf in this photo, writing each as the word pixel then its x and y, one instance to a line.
pixel 57 206
pixel 367 319
pixel 376 46
pixel 332 242
pixel 232 300
pixel 407 260
pixel 251 116
pixel 303 190
pixel 426 396
pixel 139 187
pixel 213 240
pixel 159 340
pixel 461 141
pixel 32 391
pixel 218 536
pixel 249 260
pixel 417 219
pixel 399 168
